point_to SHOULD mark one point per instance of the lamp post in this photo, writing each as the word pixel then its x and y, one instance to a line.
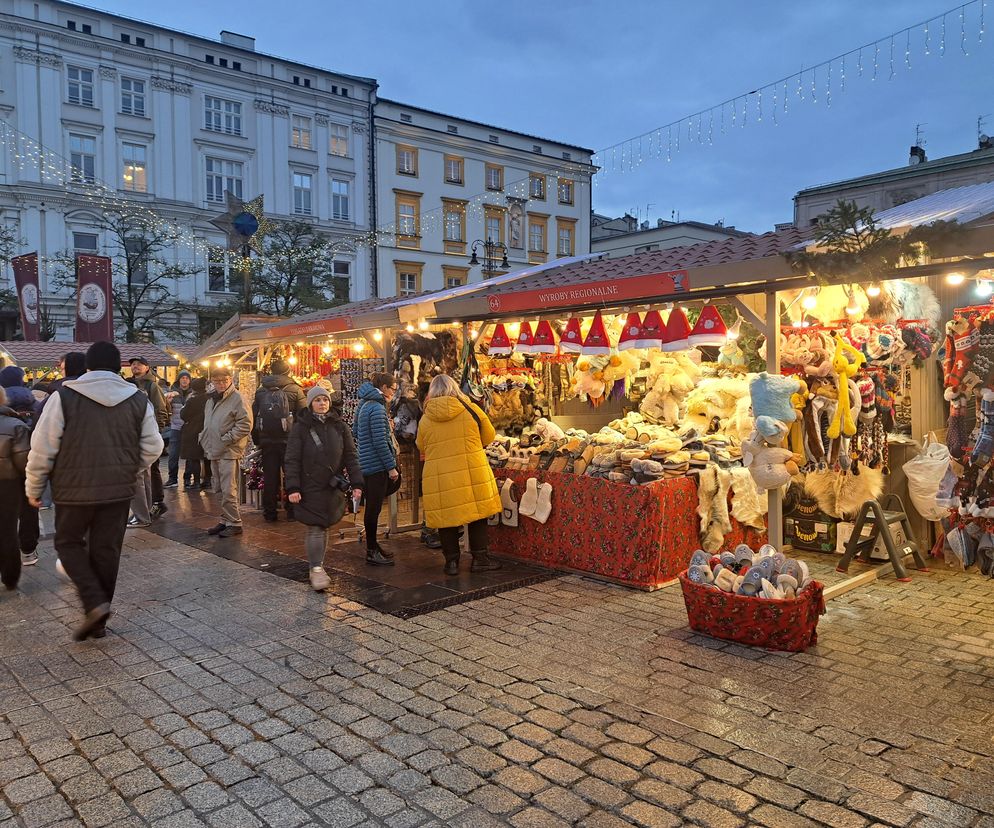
pixel 490 249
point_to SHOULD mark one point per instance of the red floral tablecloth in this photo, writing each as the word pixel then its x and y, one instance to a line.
pixel 789 625
pixel 642 536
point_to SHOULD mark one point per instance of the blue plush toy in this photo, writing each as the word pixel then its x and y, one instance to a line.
pixel 771 394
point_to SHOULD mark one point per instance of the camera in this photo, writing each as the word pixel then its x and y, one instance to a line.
pixel 340 483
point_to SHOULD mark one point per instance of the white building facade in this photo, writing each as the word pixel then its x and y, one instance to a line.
pixel 444 182
pixel 172 121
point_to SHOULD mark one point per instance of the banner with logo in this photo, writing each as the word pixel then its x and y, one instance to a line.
pixel 94 309
pixel 26 281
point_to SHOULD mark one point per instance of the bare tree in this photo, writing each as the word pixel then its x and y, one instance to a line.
pixel 144 271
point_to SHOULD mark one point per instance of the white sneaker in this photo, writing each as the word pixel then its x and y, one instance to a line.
pixel 29 558
pixel 61 569
pixel 319 579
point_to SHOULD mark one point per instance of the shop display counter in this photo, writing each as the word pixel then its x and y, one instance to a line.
pixel 639 536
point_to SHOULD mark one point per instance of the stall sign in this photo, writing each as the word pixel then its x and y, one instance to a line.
pixel 613 291
pixel 94 300
pixel 319 326
pixel 26 280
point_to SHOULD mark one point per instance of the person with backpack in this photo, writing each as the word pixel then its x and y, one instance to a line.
pixel 15 443
pixel 319 453
pixel 377 458
pixel 23 405
pixel 276 404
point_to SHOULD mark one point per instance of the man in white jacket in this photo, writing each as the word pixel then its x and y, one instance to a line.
pixel 102 431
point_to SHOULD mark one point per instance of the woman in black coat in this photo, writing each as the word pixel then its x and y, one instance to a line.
pixel 190 449
pixel 319 450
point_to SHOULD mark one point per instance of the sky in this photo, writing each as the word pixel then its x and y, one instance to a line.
pixel 594 73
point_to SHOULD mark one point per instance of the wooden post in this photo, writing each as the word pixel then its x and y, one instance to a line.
pixel 774 517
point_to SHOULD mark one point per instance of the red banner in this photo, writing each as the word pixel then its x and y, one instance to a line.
pixel 26 281
pixel 594 294
pixel 336 324
pixel 94 303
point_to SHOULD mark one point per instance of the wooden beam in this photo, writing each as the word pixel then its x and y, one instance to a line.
pixel 749 314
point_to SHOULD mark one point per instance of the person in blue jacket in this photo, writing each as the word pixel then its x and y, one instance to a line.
pixel 377 457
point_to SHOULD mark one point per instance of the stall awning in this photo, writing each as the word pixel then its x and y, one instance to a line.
pixel 48 354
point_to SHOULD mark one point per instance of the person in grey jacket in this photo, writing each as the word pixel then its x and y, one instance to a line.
pixel 227 425
pixel 176 398
pixel 91 440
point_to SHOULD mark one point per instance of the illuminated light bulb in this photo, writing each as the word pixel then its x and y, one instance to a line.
pixel 378 336
pixel 514 329
pixel 873 290
pixel 473 334
pixel 985 287
pixel 810 302
pixel 206 363
pixel 326 349
pixel 423 325
pixel 292 360
pixel 852 308
pixel 735 331
pixel 798 324
pixel 955 278
pixel 410 328
pixel 358 347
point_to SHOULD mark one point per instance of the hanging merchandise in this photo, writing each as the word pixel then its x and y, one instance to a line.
pixel 677 334
pixel 544 341
pixel 710 328
pixel 526 342
pixel 631 333
pixel 571 342
pixel 596 342
pixel 651 335
pixel 500 342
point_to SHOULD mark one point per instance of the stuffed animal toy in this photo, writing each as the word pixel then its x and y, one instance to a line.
pixel 771 395
pixel 730 355
pixel 843 422
pixel 820 364
pixel 799 399
pixel 770 465
pixel 672 377
pixel 715 397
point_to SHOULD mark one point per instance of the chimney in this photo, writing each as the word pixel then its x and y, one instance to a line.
pixel 985 142
pixel 917 156
pixel 238 41
pixel 659 222
pixel 644 225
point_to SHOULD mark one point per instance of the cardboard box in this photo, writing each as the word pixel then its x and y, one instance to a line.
pixel 807 527
pixel 879 553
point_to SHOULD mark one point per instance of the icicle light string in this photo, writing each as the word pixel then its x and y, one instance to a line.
pixel 808 76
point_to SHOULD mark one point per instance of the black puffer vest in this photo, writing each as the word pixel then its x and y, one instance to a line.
pixel 100 453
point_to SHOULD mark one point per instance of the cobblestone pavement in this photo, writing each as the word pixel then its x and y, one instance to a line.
pixel 227 697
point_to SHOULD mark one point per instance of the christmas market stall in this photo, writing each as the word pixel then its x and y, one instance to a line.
pixel 40 359
pixel 659 403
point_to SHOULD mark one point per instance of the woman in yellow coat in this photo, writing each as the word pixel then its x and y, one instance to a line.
pixel 458 484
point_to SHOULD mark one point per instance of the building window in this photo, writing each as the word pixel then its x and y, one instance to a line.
pixel 408 220
pixel 301 132
pixel 222 115
pixel 137 264
pixel 536 186
pixel 454 276
pixel 495 177
pixel 80 85
pixel 565 191
pixel 493 223
pixel 536 235
pixel 135 168
pixel 84 242
pixel 453 169
pixel 83 158
pixel 133 97
pixel 222 277
pixel 408 278
pixel 339 199
pixel 223 176
pixel 302 194
pixel 407 160
pixel 338 140
pixel 453 224
pixel 565 235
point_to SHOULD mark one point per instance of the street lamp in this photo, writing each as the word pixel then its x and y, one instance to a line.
pixel 490 248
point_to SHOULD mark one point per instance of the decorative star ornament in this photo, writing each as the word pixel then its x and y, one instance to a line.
pixel 244 223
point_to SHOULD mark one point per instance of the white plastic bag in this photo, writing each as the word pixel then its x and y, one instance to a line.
pixel 925 473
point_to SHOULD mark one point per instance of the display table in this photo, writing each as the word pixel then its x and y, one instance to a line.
pixel 640 536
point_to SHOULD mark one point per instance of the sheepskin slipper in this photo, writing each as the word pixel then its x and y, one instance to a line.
pixel 725 579
pixel 529 500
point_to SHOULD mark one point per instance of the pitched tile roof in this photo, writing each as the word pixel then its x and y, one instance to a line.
pixel 44 354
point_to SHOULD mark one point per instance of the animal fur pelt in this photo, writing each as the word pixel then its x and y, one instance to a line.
pixel 712 507
pixel 840 494
pixel 916 301
pixel 749 505
pixel 715 397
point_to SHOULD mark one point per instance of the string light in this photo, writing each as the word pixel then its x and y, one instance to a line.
pixel 955 278
pixel 378 336
pixel 962 30
pixel 810 302
pixel 873 290
pixel 985 287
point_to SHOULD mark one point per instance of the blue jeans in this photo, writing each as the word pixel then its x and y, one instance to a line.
pixel 174 453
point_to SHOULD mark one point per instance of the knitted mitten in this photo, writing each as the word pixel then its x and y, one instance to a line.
pixel 884 400
pixel 956 429
pixel 983 450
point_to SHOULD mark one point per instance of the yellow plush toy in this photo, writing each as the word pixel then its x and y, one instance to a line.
pixel 798 400
pixel 844 370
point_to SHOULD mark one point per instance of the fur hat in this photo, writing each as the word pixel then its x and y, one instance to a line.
pixel 771 395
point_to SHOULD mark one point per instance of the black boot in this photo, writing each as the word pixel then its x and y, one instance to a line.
pixel 375 558
pixel 482 562
pixel 451 564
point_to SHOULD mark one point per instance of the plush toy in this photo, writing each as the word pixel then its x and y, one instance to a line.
pixel 715 397
pixel 730 355
pixel 770 465
pixel 771 395
pixel 820 364
pixel 843 422
pixel 798 400
pixel 671 377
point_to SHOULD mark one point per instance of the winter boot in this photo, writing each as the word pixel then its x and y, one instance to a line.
pixel 482 562
pixel 374 557
pixel 451 564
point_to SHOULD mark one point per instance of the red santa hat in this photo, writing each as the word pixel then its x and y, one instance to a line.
pixel 596 343
pixel 651 335
pixel 710 328
pixel 630 333
pixel 677 336
pixel 526 341
pixel 572 340
pixel 544 341
pixel 500 342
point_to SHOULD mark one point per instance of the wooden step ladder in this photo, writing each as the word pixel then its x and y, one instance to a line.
pixel 882 517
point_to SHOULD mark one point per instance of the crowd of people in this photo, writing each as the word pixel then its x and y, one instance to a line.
pixel 89 445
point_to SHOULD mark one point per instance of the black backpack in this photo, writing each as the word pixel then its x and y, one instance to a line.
pixel 274 412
